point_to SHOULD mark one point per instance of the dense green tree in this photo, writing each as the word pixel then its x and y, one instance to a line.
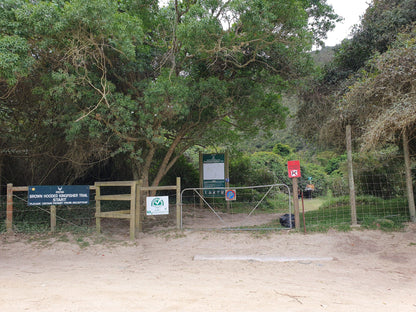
pixel 54 56
pixel 379 27
pixel 131 78
pixel 321 115
pixel 383 102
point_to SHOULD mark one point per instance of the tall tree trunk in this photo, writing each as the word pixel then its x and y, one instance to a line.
pixel 141 169
pixel 167 160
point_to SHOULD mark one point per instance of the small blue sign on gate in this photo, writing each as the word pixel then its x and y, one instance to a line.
pixel 58 195
pixel 230 195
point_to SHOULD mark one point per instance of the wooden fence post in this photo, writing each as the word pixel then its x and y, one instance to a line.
pixel 201 180
pixel 9 211
pixel 351 177
pixel 296 202
pixel 139 214
pixel 53 218
pixel 97 207
pixel 178 204
pixel 409 180
pixel 133 192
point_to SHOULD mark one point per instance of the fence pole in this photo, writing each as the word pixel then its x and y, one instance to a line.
pixel 201 179
pixel 296 202
pixel 139 212
pixel 9 211
pixel 303 214
pixel 351 177
pixel 53 218
pixel 97 207
pixel 409 181
pixel 178 203
pixel 227 175
pixel 133 198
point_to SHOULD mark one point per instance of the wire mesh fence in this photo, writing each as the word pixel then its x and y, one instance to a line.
pixel 380 202
pixel 38 218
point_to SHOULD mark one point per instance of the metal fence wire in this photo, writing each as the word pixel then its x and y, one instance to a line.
pixel 38 218
pixel 380 199
pixel 248 208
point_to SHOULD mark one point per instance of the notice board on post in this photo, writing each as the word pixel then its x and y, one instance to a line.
pixel 40 195
pixel 213 175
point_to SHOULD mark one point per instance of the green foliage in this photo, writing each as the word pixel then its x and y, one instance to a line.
pixel 379 173
pixel 261 168
pixel 130 79
pixel 184 169
pixel 384 92
pixel 334 163
pixel 282 149
pixel 338 183
pixel 324 111
pixel 278 202
pixel 379 28
pixel 14 59
pixel 372 213
pixel 319 178
pixel 324 56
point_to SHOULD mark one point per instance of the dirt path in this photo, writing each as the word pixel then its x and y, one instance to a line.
pixel 210 271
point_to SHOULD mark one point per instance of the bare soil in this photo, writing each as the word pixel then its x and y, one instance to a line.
pixel 210 271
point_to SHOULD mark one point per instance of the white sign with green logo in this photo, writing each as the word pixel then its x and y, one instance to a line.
pixel 158 205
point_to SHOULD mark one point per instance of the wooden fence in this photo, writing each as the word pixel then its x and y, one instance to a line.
pixel 133 213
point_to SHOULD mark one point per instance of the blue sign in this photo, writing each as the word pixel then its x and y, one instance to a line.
pixel 230 195
pixel 58 195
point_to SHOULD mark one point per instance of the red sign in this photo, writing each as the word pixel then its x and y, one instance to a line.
pixel 293 169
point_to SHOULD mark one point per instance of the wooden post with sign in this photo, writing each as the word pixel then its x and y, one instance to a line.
pixel 296 202
pixel 293 168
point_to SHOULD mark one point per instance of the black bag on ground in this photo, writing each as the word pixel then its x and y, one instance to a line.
pixel 286 218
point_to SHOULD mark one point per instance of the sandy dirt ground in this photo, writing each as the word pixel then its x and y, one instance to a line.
pixel 211 271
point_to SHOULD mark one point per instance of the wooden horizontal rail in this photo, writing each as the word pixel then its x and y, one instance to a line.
pixel 115 183
pixel 120 214
pixel 157 188
pixel 20 188
pixel 126 197
pixel 133 213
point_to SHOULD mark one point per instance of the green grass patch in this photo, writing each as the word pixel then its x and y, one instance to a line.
pixel 372 213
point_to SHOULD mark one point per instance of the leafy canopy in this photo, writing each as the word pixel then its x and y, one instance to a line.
pixel 130 78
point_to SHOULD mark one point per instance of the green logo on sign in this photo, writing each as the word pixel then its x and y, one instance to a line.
pixel 157 202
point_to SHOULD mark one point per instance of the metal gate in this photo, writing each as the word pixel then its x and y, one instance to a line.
pixel 238 208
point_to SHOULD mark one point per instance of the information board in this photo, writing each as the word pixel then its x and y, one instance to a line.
pixel 213 175
pixel 58 195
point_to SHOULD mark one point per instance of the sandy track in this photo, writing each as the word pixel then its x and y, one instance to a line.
pixel 369 271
